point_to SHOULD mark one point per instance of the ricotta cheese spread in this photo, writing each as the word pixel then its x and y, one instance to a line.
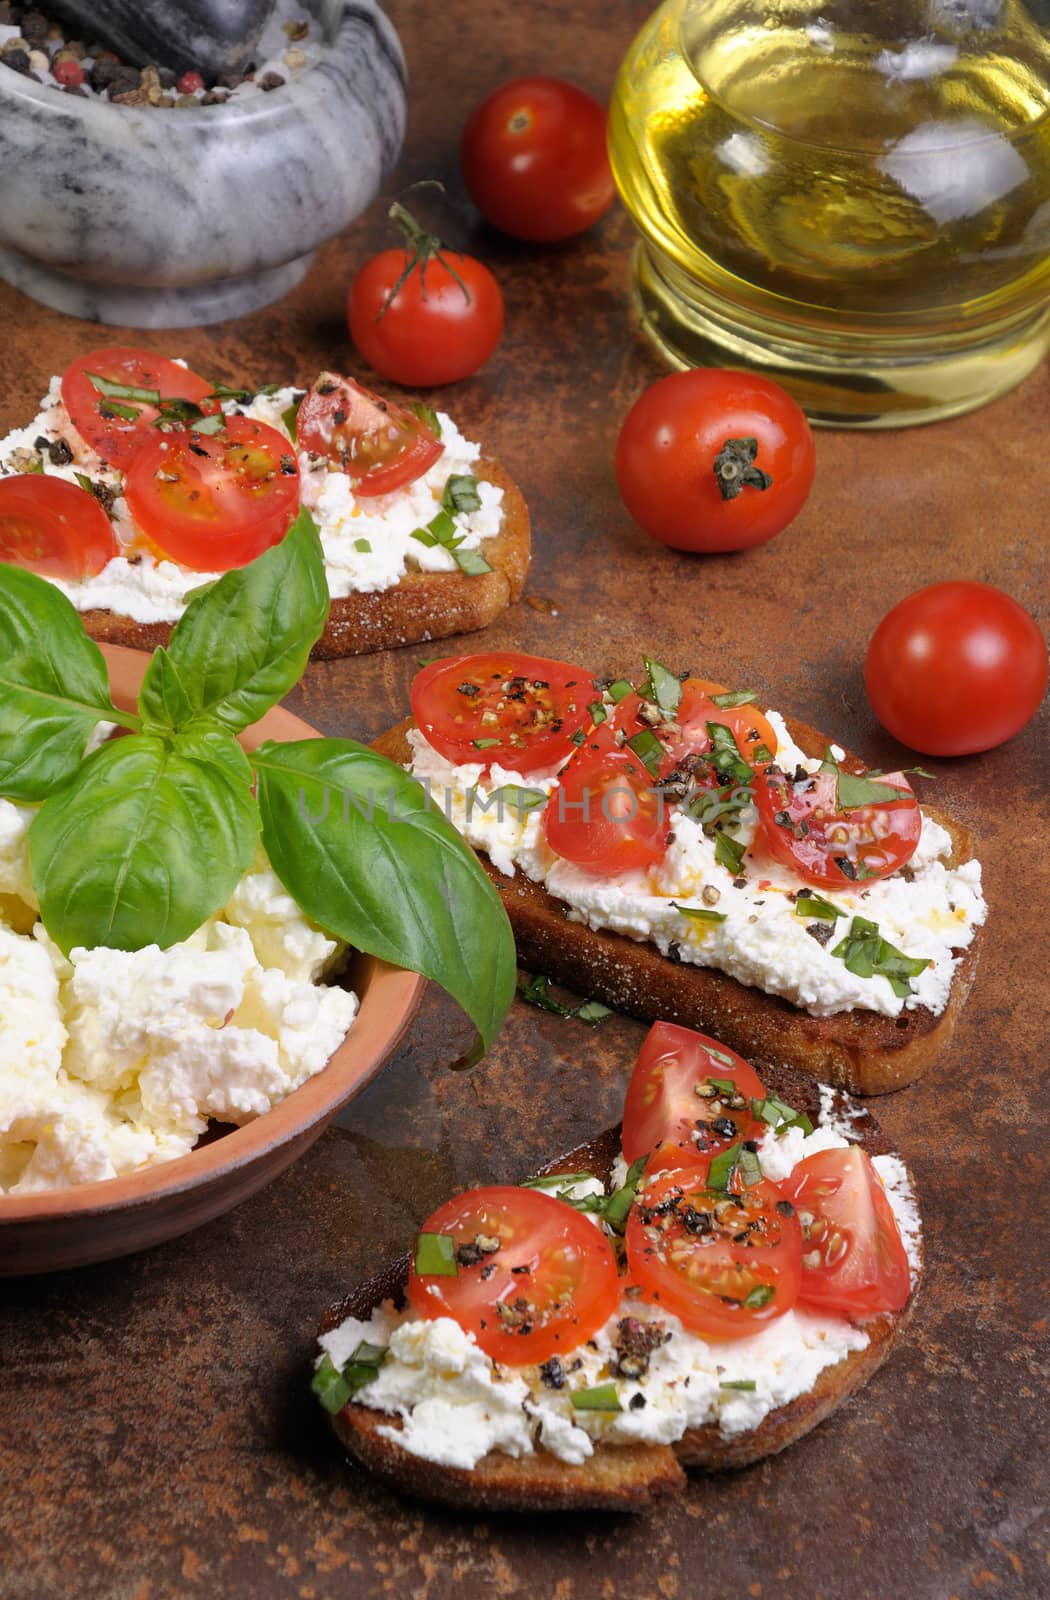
pixel 112 1060
pixel 367 543
pixel 454 1404
pixel 928 911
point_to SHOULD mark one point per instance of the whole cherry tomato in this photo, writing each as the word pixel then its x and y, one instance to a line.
pixel 710 460
pixel 956 668
pixel 423 315
pixel 534 159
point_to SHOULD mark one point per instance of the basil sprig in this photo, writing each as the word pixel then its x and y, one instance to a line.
pixel 146 838
pixel 867 954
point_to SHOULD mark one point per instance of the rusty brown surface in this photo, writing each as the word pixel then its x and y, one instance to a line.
pixel 158 1438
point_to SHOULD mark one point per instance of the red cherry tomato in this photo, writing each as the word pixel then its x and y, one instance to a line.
pixel 725 1263
pixel 213 501
pixel 678 1100
pixel 379 445
pixel 568 1290
pixel 54 527
pixel 606 814
pixel 807 828
pixel 684 445
pixel 117 424
pixel 504 708
pixel 853 1258
pixel 442 323
pixel 534 159
pixel 956 668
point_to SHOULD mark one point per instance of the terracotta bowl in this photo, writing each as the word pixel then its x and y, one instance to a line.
pixel 98 1221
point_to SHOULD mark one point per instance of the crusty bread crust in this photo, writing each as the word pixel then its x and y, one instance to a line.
pixel 861 1051
pixel 617 1477
pixel 423 605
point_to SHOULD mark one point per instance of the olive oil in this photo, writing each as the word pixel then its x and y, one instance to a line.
pixel 861 211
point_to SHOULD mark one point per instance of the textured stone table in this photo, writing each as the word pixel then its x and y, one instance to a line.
pixel 157 1438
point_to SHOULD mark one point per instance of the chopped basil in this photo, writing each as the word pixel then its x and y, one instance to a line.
pixel 742 697
pixel 436 1255
pixel 472 562
pixel 123 391
pixel 724 754
pixel 223 391
pixel 761 753
pixel 750 1170
pixel 334 1386
pixel 619 1203
pixel 664 687
pixel 537 993
pixel 429 416
pixel 719 1055
pixel 485 744
pixel 814 905
pixel 852 791
pixel 364 546
pixel 212 424
pixel 110 408
pixel 724 1086
pixel 598 712
pixel 868 955
pixel 84 481
pixel 558 1181
pixel 460 494
pixel 329 1385
pixel 524 800
pixel 290 418
pixel 602 1397
pixel 592 1012
pixel 709 807
pixel 439 530
pixel 729 852
pixel 778 1115
pixel 611 1208
pixel 175 409
pixel 720 1172
pixel 619 689
pixel 648 749
pixel 738 1383
pixel 760 1296
pixel 699 913
pixel 578 737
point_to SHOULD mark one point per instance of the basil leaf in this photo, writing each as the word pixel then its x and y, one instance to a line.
pixel 699 913
pixel 724 754
pixel 537 992
pixel 619 689
pixel 720 1172
pixel 147 842
pixel 868 955
pixel 729 853
pixel 429 416
pixel 359 848
pixel 213 423
pixel 460 494
pixel 122 391
pixel 512 794
pixel 472 562
pixel 619 1203
pixel 54 688
pixel 435 1255
pixel 168 704
pixel 852 791
pixel 245 642
pixel 664 687
pixel 739 697
pixel 648 749
pixel 329 1385
pixel 760 1296
pixel 290 417
pixel 808 904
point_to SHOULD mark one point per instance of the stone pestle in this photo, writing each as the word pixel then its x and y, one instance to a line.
pixel 213 36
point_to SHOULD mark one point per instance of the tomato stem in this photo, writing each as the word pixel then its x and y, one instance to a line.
pixel 420 247
pixel 734 468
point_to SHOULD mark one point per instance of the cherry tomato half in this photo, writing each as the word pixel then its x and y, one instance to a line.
pixel 568 1289
pixel 117 424
pixel 725 1263
pixel 687 443
pixel 956 668
pixel 213 501
pixel 441 325
pixel 853 1258
pixel 606 814
pixel 54 527
pixel 805 826
pixel 379 445
pixel 505 708
pixel 688 1098
pixel 534 159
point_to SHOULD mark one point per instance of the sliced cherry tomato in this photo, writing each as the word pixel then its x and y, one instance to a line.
pixel 534 159
pixel 54 527
pixel 807 827
pixel 379 445
pixel 725 1263
pixel 424 315
pixel 688 1098
pixel 117 424
pixel 568 1289
pixel 686 465
pixel 853 1258
pixel 606 815
pixel 956 668
pixel 508 709
pixel 213 501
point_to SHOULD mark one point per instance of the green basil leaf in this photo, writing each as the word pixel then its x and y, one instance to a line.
pixel 245 642
pixel 808 904
pixel 472 562
pixel 729 853
pixel 122 391
pixel 618 1204
pixel 357 845
pixel 537 992
pixel 867 954
pixel 699 913
pixel 460 494
pixel 664 687
pixel 146 843
pixel 54 687
pixel 435 1255
pixel 290 418
pixel 168 704
pixel 429 416
pixel 329 1385
pixel 738 697
pixel 619 689
pixel 648 749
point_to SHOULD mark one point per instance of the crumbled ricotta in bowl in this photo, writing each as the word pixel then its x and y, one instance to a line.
pixel 367 543
pixel 115 1060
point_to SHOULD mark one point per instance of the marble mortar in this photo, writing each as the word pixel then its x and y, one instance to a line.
pixel 175 217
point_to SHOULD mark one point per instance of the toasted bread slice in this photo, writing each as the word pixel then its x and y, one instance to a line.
pixel 861 1051
pixel 424 605
pixel 617 1477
